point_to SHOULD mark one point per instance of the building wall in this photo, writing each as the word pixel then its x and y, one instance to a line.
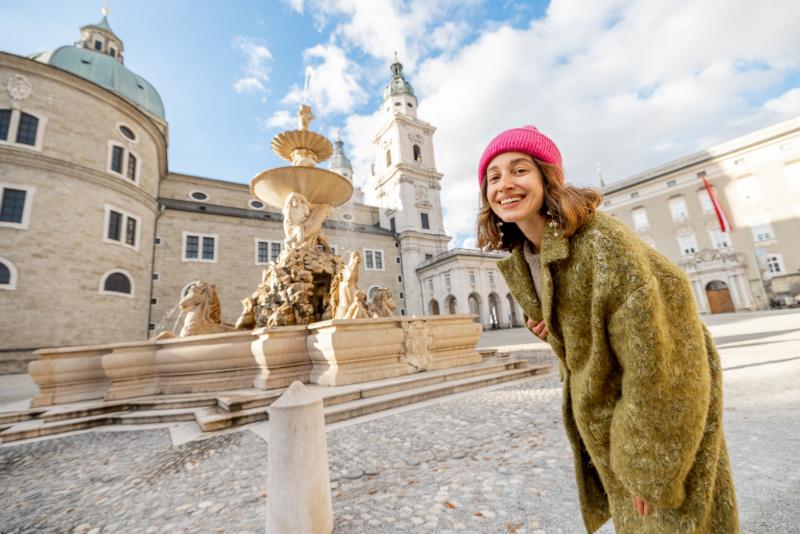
pixel 473 276
pixel 756 183
pixel 61 255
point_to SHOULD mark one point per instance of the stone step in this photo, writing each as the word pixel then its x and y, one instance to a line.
pixel 377 387
pixel 35 428
pixel 396 399
pixel 216 411
pixel 63 413
pixel 346 405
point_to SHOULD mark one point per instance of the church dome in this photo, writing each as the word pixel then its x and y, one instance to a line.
pixel 106 72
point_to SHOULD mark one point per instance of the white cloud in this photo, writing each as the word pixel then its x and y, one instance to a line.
pixel 297 5
pixel 256 72
pixel 627 84
pixel 333 86
pixel 279 120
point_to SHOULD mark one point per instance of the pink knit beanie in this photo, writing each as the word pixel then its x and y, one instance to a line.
pixel 527 140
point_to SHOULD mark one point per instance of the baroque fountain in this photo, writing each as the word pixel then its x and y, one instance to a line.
pixel 306 320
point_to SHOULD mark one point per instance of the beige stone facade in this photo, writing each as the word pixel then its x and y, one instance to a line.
pixel 59 253
pixel 757 181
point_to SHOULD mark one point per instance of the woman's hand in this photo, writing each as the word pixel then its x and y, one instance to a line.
pixel 539 329
pixel 641 506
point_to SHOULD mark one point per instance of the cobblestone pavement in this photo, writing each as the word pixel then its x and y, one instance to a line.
pixel 493 461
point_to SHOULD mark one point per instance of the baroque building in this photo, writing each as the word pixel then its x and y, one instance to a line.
pixel 729 216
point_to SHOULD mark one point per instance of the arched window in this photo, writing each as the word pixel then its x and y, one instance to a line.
pixel 417 153
pixel 8 275
pixel 388 157
pixel 117 282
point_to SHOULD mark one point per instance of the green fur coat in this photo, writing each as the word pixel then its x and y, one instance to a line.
pixel 642 381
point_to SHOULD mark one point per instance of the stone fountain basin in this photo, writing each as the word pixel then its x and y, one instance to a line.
pixel 332 353
pixel 319 186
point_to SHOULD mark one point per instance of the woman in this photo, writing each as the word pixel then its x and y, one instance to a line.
pixel 642 378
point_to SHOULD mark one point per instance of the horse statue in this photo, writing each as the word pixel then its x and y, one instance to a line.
pixel 382 305
pixel 202 311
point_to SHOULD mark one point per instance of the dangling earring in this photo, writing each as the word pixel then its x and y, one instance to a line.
pixel 500 225
pixel 552 224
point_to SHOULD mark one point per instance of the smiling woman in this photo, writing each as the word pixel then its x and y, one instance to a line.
pixel 642 407
pixel 534 177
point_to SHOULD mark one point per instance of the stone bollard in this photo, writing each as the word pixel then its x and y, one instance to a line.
pixel 298 484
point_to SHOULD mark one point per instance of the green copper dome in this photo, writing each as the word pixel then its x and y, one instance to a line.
pixel 106 72
pixel 398 85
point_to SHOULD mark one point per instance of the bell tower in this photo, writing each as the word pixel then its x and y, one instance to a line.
pixel 407 184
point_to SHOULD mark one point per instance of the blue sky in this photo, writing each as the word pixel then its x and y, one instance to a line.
pixel 624 84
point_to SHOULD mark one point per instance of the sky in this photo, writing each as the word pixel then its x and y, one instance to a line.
pixel 620 85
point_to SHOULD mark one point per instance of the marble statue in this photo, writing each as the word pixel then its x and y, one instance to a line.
pixel 202 312
pixel 382 305
pixel 302 222
pixel 358 309
pixel 343 289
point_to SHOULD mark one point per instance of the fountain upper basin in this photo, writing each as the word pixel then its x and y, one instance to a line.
pixel 319 186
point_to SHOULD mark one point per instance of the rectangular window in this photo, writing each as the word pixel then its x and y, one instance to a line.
pixel 775 264
pixel 116 158
pixel 424 220
pixel 491 278
pixel 705 201
pixel 720 239
pixel 267 251
pixel 762 232
pixel 397 259
pixel 5 123
pixel 13 205
pixel 131 166
pixel 392 225
pixel 192 242
pixel 430 284
pixel 114 225
pixel 130 231
pixel 428 257
pixel 262 252
pixel 677 206
pixel 447 281
pixel 113 52
pixel 373 259
pixel 688 244
pixel 472 277
pixel 640 220
pixel 121 227
pixel 26 132
pixel 98 45
pixel 208 248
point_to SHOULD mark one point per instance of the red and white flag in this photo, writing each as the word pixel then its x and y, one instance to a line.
pixel 724 223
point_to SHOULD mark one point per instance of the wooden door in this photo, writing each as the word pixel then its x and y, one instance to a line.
pixel 720 300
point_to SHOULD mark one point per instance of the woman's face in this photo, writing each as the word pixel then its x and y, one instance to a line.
pixel 514 187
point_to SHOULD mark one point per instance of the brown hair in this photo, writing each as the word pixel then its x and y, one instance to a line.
pixel 571 207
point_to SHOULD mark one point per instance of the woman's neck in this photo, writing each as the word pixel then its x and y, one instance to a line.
pixel 533 228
